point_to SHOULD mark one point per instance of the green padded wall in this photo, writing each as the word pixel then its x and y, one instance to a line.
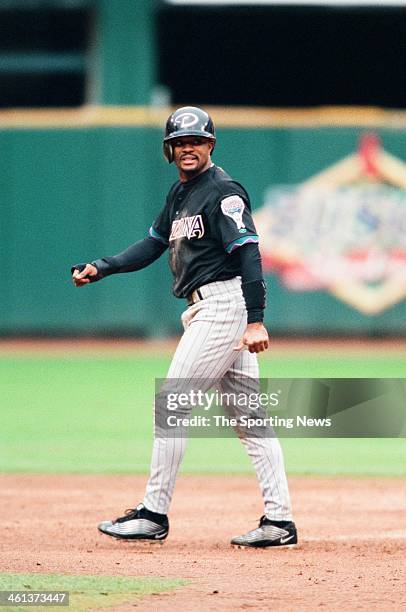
pixel 71 195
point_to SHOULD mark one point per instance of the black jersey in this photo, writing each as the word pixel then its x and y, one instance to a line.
pixel 203 223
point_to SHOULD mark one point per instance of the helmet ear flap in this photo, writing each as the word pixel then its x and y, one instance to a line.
pixel 168 152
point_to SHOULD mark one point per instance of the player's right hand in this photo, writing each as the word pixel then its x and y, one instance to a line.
pixel 83 275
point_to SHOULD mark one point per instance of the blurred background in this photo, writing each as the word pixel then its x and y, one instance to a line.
pixel 309 103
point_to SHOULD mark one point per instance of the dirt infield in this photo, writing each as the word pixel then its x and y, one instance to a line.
pixel 351 554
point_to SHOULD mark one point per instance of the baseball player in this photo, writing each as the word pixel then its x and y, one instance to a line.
pixel 206 225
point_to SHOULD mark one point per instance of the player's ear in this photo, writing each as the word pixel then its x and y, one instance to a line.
pixel 211 143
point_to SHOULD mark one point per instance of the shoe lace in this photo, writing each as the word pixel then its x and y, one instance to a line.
pixel 129 514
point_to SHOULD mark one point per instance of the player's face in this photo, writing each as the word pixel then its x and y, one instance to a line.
pixel 192 155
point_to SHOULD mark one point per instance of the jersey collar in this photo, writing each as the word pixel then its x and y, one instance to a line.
pixel 197 178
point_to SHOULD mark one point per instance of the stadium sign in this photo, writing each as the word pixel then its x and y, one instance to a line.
pixel 342 231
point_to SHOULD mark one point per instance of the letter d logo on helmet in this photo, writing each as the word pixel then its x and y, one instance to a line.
pixel 187 121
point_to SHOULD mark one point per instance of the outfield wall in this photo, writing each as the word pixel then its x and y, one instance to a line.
pixel 76 190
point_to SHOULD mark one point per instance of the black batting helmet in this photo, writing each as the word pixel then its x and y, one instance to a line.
pixel 187 121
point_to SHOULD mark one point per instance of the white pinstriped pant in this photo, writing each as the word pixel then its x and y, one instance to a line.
pixel 213 327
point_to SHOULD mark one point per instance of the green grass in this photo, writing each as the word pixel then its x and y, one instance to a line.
pixel 89 415
pixel 87 592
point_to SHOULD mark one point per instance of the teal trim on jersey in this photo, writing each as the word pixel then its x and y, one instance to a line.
pixel 157 236
pixel 240 241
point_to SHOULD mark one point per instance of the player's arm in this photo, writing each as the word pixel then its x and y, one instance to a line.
pixel 255 337
pixel 135 257
pixel 238 233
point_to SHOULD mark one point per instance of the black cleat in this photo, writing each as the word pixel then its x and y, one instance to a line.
pixel 137 524
pixel 269 533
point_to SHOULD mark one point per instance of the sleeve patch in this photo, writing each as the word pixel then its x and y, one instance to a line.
pixel 233 207
pixel 241 241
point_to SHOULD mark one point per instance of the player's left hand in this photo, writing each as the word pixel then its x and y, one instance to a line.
pixel 255 338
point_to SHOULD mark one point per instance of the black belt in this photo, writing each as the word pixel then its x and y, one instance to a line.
pixel 194 297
